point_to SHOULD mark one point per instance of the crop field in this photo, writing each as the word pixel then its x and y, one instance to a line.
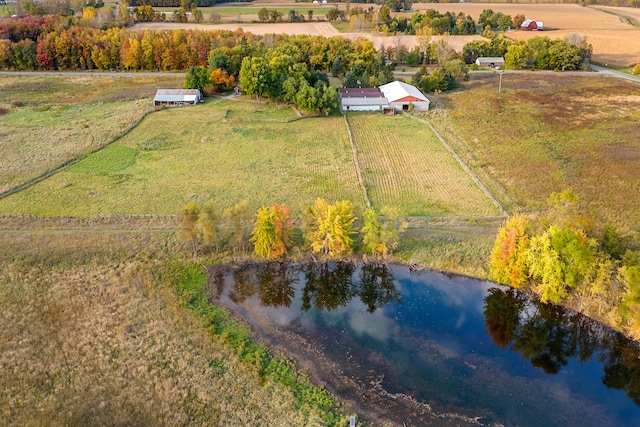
pixel 52 119
pixel 615 42
pixel 545 133
pixel 225 151
pixel 405 165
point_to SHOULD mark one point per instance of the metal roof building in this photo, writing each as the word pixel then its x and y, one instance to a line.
pixel 362 99
pixel 489 61
pixel 177 97
pixel 403 96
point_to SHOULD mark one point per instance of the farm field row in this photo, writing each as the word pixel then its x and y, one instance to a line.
pixel 546 133
pixel 405 165
pixel 51 119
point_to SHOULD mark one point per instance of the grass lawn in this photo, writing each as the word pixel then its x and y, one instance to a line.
pixel 405 165
pixel 52 119
pixel 545 133
pixel 225 151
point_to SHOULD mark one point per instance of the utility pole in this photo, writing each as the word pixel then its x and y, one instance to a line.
pixel 500 84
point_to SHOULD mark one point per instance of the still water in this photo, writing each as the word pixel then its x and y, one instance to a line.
pixel 424 347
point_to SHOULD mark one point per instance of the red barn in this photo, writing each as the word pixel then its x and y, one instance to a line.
pixel 531 25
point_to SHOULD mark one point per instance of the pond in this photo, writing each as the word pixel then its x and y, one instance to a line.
pixel 402 346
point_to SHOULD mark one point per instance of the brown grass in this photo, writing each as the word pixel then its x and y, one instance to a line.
pixel 88 338
pixel 548 132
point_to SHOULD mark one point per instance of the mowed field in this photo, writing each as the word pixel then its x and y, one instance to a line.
pixel 225 151
pixel 547 132
pixel 614 41
pixel 405 165
pixel 52 119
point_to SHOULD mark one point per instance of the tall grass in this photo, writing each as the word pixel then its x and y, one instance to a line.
pixel 53 119
pixel 220 151
pixel 105 329
pixel 546 133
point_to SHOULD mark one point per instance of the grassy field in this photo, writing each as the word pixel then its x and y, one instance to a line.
pixel 405 165
pixel 93 334
pixel 546 132
pixel 52 119
pixel 223 151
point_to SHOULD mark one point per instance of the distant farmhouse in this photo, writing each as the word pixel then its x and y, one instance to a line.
pixel 395 95
pixel 177 97
pixel 531 25
pixel 490 61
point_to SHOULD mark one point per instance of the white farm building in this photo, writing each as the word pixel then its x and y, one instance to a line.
pixel 397 95
pixel 362 99
pixel 177 97
pixel 403 96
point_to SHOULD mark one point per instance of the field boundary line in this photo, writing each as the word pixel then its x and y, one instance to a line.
pixel 71 161
pixel 355 161
pixel 463 164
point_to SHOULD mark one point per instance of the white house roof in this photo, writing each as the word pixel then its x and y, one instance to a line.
pixel 397 90
pixel 362 101
pixel 490 59
pixel 177 95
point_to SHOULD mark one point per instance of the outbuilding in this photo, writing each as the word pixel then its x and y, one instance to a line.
pixel 531 25
pixel 490 61
pixel 403 96
pixel 177 97
pixel 362 99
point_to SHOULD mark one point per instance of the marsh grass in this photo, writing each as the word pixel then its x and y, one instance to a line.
pixel 105 329
pixel 222 151
pixel 405 165
pixel 546 133
pixel 52 119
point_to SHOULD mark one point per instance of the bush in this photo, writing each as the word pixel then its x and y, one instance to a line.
pixel 4 111
pixel 17 103
pixel 636 70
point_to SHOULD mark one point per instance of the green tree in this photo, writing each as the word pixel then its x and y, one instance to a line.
pixel 188 222
pixel 196 78
pixel 272 231
pixel 331 227
pixel 508 263
pixel 382 235
pixel 206 225
pixel 255 76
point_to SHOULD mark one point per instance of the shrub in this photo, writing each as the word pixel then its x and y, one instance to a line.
pixel 4 111
pixel 636 70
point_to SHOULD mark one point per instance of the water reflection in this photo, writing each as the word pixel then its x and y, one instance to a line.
pixel 549 336
pixel 454 343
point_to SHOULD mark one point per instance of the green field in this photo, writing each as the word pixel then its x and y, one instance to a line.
pixel 545 133
pixel 52 119
pixel 223 151
pixel 405 165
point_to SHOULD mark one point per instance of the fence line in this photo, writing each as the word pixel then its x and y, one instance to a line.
pixel 355 161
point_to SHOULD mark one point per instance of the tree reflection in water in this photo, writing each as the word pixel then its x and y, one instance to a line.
pixel 328 286
pixel 549 335
pixel 377 287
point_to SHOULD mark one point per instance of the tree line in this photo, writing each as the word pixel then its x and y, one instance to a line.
pixel 326 229
pixel 564 258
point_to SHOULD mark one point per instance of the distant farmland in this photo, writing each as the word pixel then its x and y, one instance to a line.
pixel 615 42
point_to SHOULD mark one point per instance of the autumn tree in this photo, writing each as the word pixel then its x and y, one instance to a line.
pixel 508 263
pixel 221 80
pixel 238 218
pixel 382 235
pixel 331 227
pixel 272 231
pixel 560 259
pixel 255 76
pixel 207 227
pixel 188 222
